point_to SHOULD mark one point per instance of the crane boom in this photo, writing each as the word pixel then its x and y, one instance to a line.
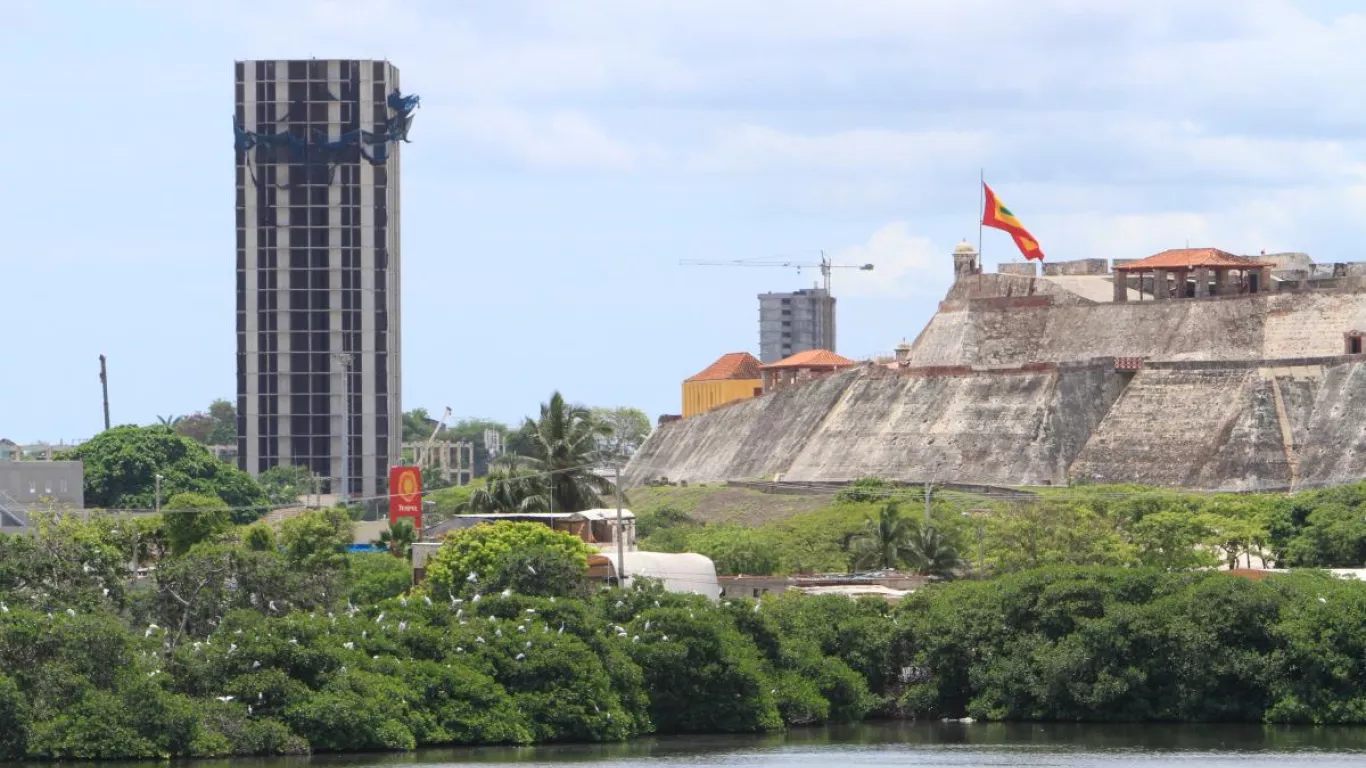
pixel 824 265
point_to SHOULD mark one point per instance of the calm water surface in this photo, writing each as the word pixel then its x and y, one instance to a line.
pixel 904 744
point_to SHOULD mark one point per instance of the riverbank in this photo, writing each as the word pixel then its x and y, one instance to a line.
pixel 497 662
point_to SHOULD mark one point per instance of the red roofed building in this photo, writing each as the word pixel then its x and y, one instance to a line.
pixel 1181 273
pixel 802 367
pixel 735 376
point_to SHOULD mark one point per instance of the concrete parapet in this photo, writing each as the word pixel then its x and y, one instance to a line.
pixel 1020 268
pixel 1077 267
pixel 1011 302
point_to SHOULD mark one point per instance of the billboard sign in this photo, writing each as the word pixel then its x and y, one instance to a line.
pixel 405 495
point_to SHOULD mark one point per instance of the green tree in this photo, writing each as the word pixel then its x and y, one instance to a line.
pixel 625 430
pixel 564 442
pixel 190 518
pixel 197 426
pixel 121 465
pixel 318 537
pixel 482 551
pixel 14 722
pixel 1174 540
pixel 398 538
pixel 224 416
pixel 929 553
pixel 511 486
pixel 285 483
pixel 738 550
pixel 1053 532
pixel 885 541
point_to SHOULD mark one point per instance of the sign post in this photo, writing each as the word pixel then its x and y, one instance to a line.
pixel 405 495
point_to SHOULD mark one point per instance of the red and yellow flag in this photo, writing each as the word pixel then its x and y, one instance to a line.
pixel 997 216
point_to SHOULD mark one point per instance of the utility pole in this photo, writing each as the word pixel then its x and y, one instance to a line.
pixel 345 359
pixel 928 493
pixel 104 385
pixel 621 530
pixel 158 494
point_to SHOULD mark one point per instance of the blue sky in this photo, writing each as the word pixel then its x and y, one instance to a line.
pixel 567 155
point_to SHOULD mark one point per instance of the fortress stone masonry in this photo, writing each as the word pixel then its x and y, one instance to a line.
pixel 1193 368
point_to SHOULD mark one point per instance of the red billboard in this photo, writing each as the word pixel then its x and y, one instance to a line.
pixel 405 495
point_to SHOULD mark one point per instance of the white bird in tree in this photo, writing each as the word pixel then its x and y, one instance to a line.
pixel 271 606
pixel 479 639
pixel 350 646
pixel 426 600
pixel 476 597
pixel 403 601
pixel 224 699
pixel 71 612
pixel 521 656
pixel 531 569
pixel 507 593
pixel 150 629
pixel 473 578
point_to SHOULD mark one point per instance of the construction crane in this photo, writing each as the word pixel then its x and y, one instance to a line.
pixel 427 454
pixel 824 265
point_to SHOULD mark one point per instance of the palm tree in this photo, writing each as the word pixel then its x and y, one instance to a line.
pixel 509 487
pixel 398 538
pixel 929 554
pixel 563 444
pixel 170 421
pixel 885 539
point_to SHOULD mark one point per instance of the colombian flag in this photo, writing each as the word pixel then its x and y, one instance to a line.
pixel 997 216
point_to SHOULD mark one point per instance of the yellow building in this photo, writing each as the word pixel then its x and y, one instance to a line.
pixel 733 377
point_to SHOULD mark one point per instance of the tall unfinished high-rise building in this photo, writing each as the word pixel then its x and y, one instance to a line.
pixel 318 268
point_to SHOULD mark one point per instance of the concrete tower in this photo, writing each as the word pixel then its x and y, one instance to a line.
pixel 318 266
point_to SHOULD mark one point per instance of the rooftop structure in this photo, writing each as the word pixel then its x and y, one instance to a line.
pixel 802 367
pixel 734 376
pixel 1194 273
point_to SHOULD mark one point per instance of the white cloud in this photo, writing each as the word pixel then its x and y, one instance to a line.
pixel 754 148
pixel 558 141
pixel 900 260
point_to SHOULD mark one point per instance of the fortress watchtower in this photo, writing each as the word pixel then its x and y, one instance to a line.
pixel 965 261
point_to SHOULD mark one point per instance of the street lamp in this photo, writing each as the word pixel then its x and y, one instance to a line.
pixel 345 359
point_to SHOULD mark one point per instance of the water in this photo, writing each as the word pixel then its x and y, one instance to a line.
pixel 905 744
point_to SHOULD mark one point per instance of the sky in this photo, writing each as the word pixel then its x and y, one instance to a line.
pixel 567 156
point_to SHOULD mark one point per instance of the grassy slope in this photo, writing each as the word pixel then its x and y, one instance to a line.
pixel 722 504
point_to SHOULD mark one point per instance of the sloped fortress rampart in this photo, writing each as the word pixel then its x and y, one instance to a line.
pixel 1022 379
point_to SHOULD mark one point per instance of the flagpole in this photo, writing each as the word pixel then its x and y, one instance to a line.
pixel 981 211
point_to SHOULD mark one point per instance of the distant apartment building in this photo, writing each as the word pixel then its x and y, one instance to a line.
pixel 318 268
pixel 26 486
pixel 795 322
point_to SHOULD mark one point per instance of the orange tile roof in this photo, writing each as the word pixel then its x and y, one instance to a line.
pixel 732 365
pixel 1186 258
pixel 813 358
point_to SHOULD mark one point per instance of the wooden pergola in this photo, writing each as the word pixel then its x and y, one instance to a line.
pixel 1182 273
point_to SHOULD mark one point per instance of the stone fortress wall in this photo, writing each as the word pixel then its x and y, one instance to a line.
pixel 1022 380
